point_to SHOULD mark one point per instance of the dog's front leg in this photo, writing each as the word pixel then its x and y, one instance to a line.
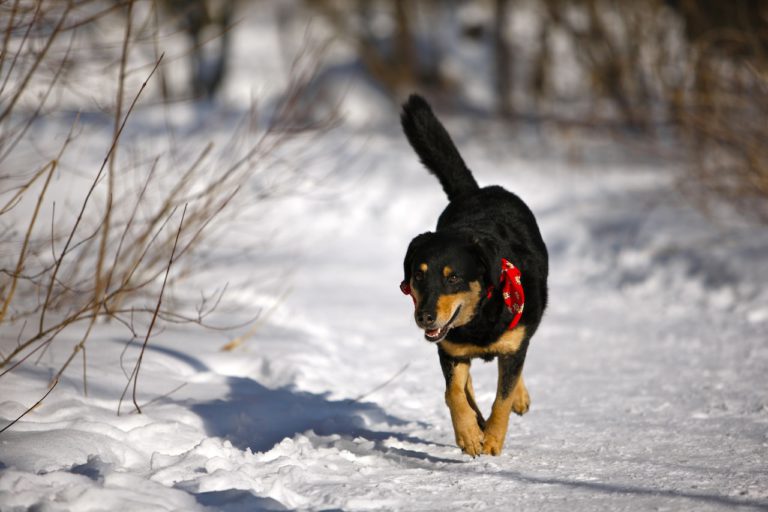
pixel 469 436
pixel 511 395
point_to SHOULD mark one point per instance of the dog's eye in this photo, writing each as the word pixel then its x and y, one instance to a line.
pixel 418 275
pixel 453 279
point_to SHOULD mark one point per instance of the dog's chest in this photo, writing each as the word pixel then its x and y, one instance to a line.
pixel 507 344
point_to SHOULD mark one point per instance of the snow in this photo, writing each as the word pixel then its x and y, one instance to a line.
pixel 648 375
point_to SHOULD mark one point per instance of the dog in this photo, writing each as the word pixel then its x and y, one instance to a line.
pixel 478 283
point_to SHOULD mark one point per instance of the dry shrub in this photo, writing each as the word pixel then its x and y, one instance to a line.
pixel 721 111
pixel 691 74
pixel 108 252
pixel 699 68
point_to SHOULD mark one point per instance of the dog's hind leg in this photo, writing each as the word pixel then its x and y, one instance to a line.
pixel 469 435
pixel 511 395
pixel 470 391
pixel 521 401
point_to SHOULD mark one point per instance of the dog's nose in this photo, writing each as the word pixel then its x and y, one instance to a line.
pixel 424 318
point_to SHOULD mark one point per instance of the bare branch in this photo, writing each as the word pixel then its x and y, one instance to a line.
pixel 31 408
pixel 90 191
pixel 135 373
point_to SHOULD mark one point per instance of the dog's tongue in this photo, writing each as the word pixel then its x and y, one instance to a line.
pixel 432 333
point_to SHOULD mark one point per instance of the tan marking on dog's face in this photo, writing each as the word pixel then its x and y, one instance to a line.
pixel 423 267
pixel 507 344
pixel 447 271
pixel 448 304
pixel 469 305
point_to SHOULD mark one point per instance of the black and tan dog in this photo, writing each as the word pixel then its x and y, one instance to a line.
pixel 470 279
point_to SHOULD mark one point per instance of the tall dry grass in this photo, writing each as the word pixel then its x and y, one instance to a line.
pixel 108 254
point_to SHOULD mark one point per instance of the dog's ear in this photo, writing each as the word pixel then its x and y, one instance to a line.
pixel 412 247
pixel 489 257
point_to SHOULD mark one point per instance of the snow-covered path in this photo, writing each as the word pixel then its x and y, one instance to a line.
pixel 648 376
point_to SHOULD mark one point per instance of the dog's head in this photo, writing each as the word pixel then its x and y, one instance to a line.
pixel 448 275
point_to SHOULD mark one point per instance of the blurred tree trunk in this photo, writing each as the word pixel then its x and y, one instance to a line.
pixel 404 58
pixel 503 57
pixel 392 60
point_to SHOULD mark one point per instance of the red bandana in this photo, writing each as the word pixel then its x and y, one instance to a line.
pixel 511 290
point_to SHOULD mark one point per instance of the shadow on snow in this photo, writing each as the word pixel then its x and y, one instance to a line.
pixel 256 417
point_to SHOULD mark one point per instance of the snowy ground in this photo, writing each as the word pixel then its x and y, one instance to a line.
pixel 648 376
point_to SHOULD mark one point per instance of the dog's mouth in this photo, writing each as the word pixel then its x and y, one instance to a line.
pixel 437 335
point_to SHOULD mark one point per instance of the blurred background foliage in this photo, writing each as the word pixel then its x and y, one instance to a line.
pixel 691 72
pixel 685 74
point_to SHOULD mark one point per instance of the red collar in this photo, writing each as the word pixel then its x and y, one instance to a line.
pixel 511 290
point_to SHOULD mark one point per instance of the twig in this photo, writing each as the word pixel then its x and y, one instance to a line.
pixel 7 37
pixel 384 384
pixel 78 348
pixel 127 228
pixel 12 423
pixel 38 59
pixel 21 45
pixel 16 199
pixel 165 395
pixel 256 324
pixel 99 287
pixel 135 373
pixel 22 254
pixel 122 356
pixel 20 361
pixel 20 133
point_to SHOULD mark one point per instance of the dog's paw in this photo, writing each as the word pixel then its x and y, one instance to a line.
pixel 470 439
pixel 521 400
pixel 492 444
pixel 494 434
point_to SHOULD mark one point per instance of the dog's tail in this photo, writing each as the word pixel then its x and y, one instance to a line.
pixel 435 148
